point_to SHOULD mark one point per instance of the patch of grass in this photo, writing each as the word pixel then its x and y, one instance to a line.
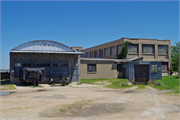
pixel 16 108
pixel 52 85
pixel 78 83
pixel 113 83
pixel 168 83
pixel 62 110
pixel 7 87
pixel 141 87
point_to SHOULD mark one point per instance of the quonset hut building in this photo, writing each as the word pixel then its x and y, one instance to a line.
pixel 55 57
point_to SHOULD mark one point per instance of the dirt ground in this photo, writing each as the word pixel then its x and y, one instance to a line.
pixel 88 102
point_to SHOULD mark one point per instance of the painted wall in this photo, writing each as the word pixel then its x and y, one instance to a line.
pixel 103 70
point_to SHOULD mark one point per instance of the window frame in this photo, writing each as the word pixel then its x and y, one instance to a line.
pixel 96 53
pixel 106 51
pixel 91 54
pixel 154 68
pixel 101 55
pixel 148 48
pixel 91 65
pixel 133 48
pixel 87 55
pixel 112 50
pixel 162 51
pixel 119 48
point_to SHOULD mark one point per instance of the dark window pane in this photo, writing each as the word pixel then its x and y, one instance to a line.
pixel 163 49
pixel 101 53
pixel 148 49
pixel 91 67
pixel 132 48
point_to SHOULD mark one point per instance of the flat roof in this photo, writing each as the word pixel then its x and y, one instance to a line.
pixel 125 38
pixel 113 60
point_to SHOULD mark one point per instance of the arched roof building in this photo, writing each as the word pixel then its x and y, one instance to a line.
pixel 57 59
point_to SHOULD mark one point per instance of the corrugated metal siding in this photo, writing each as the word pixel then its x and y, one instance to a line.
pixel 157 75
pixel 131 70
pixel 39 59
pixel 126 65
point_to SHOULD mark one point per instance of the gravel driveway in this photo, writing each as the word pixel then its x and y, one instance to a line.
pixel 88 102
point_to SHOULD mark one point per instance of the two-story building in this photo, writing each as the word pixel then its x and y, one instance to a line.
pixel 150 49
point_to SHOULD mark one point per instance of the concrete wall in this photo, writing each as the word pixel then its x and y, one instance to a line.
pixel 165 73
pixel 103 70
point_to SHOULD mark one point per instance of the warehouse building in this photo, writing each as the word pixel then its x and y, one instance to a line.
pixel 152 50
pixel 56 58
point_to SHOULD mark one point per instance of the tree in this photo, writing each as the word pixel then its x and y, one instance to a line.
pixel 124 50
pixel 175 57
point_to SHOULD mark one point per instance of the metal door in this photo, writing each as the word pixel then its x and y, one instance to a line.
pixel 60 67
pixel 141 73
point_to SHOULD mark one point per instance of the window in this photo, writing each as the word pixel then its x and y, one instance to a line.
pixel 77 50
pixel 162 49
pixel 91 67
pixel 132 48
pixel 106 51
pixel 147 48
pixel 96 53
pixel 119 48
pixel 18 65
pixel 55 65
pixel 101 53
pixel 119 67
pixel 82 55
pixel 91 54
pixel 112 50
pixel 164 66
pixel 154 68
pixel 87 54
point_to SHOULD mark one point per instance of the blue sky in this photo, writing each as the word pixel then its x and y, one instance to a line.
pixel 85 24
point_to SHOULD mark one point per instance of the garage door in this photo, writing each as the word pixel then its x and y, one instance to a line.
pixel 141 73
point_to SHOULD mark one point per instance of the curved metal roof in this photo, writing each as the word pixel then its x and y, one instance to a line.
pixel 45 45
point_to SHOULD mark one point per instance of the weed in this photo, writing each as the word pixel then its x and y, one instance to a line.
pixel 78 83
pixel 112 83
pixel 7 87
pixel 62 110
pixel 141 87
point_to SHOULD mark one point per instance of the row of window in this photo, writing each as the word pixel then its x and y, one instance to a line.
pixel 39 65
pixel 106 52
pixel 132 48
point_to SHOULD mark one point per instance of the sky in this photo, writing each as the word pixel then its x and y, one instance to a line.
pixel 85 23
